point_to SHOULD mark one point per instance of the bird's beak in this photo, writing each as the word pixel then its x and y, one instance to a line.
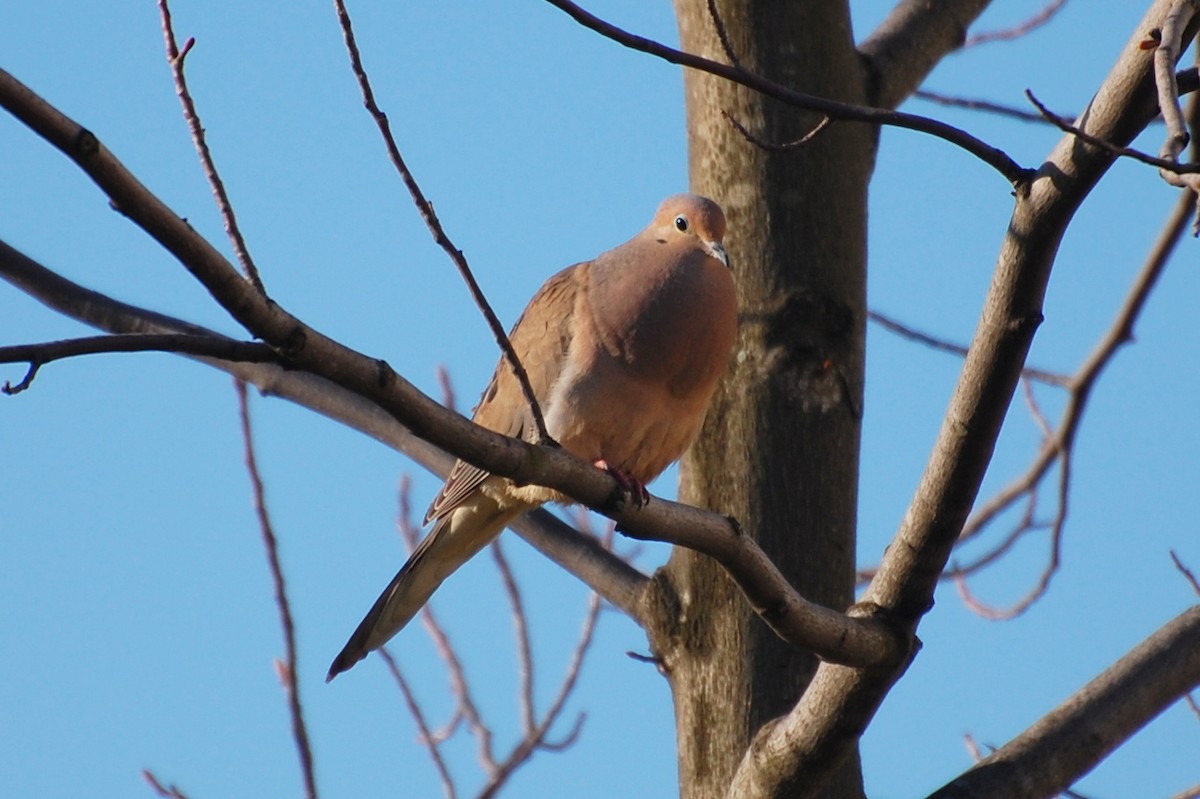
pixel 717 250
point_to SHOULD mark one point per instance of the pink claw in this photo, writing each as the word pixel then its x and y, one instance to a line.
pixel 637 491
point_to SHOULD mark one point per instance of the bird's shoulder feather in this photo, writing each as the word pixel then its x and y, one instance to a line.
pixel 541 339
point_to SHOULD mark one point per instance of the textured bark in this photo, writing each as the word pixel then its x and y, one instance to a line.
pixel 780 447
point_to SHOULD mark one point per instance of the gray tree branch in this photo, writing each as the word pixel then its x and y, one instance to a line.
pixel 828 633
pixel 794 754
pixel 1068 742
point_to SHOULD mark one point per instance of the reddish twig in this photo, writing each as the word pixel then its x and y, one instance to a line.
pixel 1082 383
pixel 465 707
pixel 175 57
pixel 425 208
pixel 521 630
pixel 1017 31
pixel 1051 568
pixel 165 791
pixel 428 740
pixel 776 146
pixel 291 684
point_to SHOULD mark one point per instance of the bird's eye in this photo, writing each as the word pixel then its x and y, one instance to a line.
pixel 681 224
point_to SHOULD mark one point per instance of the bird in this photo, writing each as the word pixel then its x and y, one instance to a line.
pixel 623 353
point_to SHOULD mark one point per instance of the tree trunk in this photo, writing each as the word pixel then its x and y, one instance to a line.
pixel 780 447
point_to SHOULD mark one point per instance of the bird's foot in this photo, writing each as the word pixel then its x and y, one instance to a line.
pixel 637 492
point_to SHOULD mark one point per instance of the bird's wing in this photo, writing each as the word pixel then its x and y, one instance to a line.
pixel 541 339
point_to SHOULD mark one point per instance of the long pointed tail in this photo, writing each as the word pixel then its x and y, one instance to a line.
pixel 454 540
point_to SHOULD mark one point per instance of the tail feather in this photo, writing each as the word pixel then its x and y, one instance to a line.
pixel 454 540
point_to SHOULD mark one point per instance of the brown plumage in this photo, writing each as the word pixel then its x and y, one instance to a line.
pixel 623 353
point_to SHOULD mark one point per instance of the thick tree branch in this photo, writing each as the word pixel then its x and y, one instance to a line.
pixel 914 39
pixel 1068 742
pixel 795 754
pixel 828 633
pixel 992 156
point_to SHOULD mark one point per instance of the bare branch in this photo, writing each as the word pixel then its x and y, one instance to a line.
pixel 1164 164
pixel 981 105
pixel 903 330
pixel 579 554
pixel 1119 334
pixel 795 754
pixel 425 208
pixel 1186 572
pixel 38 355
pixel 428 740
pixel 270 541
pixel 992 156
pixel 175 58
pixel 1068 742
pixel 460 688
pixel 1017 31
pixel 829 633
pixel 723 34
pixel 521 629
pixel 773 146
pixel 165 791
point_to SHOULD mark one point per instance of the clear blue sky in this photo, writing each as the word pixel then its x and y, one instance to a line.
pixel 138 625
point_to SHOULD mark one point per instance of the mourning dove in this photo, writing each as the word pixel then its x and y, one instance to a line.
pixel 623 353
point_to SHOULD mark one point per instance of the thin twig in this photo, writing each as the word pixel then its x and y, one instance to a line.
pixel 1048 571
pixel 911 333
pixel 40 354
pixel 434 224
pixel 428 739
pixel 1118 334
pixel 1169 165
pixel 1017 31
pixel 1193 704
pixel 981 105
pixel 291 684
pixel 776 146
pixel 165 791
pixel 1188 574
pixel 175 57
pixel 521 630
pixel 723 34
